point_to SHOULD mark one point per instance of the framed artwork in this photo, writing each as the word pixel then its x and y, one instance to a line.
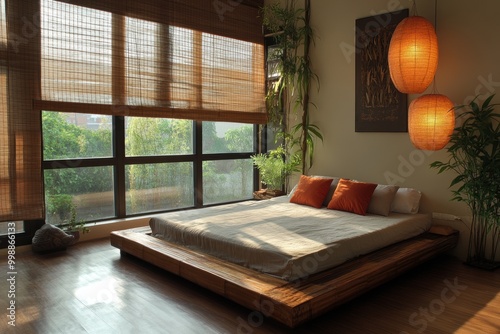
pixel 380 107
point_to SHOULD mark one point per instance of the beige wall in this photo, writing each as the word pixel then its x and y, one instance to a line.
pixel 469 58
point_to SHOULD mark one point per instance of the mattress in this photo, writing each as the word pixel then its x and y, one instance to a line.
pixel 284 239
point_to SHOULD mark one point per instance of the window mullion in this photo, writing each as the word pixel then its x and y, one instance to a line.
pixel 119 165
pixel 198 165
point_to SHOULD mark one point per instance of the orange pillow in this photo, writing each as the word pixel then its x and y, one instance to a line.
pixel 311 191
pixel 352 196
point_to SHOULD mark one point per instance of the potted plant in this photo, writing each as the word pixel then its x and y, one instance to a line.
pixel 62 212
pixel 292 33
pixel 475 157
pixel 73 226
pixel 274 170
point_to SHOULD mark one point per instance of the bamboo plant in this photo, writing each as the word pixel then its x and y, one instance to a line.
pixel 292 31
pixel 474 154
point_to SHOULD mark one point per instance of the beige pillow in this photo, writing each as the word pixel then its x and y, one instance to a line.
pixel 381 201
pixel 333 186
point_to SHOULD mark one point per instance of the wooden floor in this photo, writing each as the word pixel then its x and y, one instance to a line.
pixel 90 288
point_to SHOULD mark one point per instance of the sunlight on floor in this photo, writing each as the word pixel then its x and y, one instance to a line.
pixel 105 291
pixel 486 320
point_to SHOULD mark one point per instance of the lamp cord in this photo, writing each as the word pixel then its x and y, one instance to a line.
pixel 414 8
pixel 435 14
pixel 434 82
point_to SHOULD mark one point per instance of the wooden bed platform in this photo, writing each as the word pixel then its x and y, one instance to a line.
pixel 290 303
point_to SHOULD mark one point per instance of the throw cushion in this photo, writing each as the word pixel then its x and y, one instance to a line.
pixel 352 196
pixel 382 198
pixel 311 191
pixel 407 200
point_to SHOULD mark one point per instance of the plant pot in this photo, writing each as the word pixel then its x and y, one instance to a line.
pixel 267 193
pixel 274 192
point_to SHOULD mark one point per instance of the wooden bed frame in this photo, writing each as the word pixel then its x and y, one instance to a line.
pixel 291 303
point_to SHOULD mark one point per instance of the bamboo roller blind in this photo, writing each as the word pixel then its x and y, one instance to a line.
pixel 180 59
pixel 21 192
pixel 194 59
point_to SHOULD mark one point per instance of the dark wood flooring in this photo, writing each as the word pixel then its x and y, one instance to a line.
pixel 90 288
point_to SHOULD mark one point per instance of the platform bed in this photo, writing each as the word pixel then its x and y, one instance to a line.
pixel 291 303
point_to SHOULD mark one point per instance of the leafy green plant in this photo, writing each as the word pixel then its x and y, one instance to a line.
pixel 274 168
pixel 74 225
pixel 293 35
pixel 475 157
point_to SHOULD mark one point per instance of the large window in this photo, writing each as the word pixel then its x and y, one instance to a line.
pixel 107 167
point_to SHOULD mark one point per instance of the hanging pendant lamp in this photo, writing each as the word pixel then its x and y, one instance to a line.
pixel 431 121
pixel 413 55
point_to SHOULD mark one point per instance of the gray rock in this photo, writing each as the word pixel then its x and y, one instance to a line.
pixel 51 238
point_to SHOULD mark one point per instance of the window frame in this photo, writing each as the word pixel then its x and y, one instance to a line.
pixel 119 162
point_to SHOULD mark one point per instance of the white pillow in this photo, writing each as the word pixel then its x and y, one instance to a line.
pixel 407 200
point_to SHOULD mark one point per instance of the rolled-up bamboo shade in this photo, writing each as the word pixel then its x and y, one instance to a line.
pixel 413 55
pixel 21 188
pixel 431 121
pixel 199 59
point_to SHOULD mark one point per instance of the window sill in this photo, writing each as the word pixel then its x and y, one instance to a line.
pixel 103 229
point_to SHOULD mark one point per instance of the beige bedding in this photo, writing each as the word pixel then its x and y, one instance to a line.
pixel 284 239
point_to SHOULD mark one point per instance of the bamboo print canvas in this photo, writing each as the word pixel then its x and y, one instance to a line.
pixel 380 107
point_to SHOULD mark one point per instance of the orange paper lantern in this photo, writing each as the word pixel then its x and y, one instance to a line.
pixel 413 55
pixel 431 121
